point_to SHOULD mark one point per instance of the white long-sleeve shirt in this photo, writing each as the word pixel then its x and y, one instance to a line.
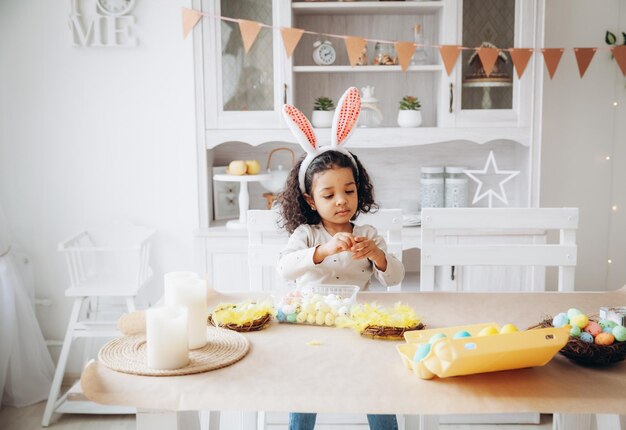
pixel 296 260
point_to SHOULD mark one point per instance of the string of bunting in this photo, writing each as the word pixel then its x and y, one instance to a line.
pixel 449 53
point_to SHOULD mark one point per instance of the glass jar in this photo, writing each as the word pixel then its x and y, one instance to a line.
pixel 432 187
pixel 420 56
pixel 385 54
pixel 455 187
pixel 371 115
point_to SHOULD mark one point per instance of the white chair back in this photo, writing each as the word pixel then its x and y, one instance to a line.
pixel 452 237
pixel 266 240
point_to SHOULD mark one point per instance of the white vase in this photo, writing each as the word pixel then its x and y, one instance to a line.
pixel 322 118
pixel 409 118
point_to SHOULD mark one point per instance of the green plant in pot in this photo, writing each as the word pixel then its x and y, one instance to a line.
pixel 409 114
pixel 323 112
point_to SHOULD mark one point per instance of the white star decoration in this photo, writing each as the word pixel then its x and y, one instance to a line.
pixel 507 176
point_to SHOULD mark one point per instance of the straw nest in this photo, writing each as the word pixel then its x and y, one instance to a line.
pixel 388 333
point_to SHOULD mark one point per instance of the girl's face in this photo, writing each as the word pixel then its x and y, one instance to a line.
pixel 334 196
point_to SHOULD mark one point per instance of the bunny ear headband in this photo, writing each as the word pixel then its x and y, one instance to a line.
pixel 344 120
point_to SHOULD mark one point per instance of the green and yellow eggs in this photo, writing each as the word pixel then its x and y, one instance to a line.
pixel 603 332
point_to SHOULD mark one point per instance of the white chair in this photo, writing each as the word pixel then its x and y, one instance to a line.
pixel 498 237
pixel 104 264
pixel 265 241
pixel 454 239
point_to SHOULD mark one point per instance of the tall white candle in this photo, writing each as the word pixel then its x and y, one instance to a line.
pixel 172 277
pixel 166 337
pixel 191 293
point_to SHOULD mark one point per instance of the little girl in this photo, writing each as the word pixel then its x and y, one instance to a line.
pixel 324 193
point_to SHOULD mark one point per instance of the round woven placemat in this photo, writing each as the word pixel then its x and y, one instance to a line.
pixel 128 354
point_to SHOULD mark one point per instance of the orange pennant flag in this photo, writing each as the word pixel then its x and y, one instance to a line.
pixel 405 52
pixel 520 57
pixel 552 57
pixel 249 32
pixel 354 46
pixel 449 55
pixel 291 37
pixel 488 57
pixel 583 58
pixel 619 52
pixel 190 19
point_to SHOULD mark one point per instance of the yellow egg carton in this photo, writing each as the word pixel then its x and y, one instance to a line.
pixel 480 354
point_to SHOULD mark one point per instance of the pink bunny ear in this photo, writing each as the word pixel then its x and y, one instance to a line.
pixel 301 128
pixel 346 115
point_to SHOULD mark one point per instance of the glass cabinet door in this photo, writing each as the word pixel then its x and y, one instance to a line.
pixel 250 87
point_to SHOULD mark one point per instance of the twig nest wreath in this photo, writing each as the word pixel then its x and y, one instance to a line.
pixel 380 322
pixel 242 317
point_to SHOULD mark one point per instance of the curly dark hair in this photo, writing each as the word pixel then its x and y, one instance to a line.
pixel 295 210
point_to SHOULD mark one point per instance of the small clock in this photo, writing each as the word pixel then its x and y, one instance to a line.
pixel 323 53
pixel 115 7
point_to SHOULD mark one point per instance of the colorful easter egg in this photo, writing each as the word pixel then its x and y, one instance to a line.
pixel 291 318
pixel 421 352
pixel 320 318
pixel 579 320
pixel 435 337
pixel 607 323
pixel 586 337
pixel 607 329
pixel 560 320
pixel 301 317
pixel 461 334
pixel 593 328
pixel 619 331
pixel 329 319
pixel 280 316
pixel 604 339
pixel 572 312
pixel 488 331
pixel 508 328
pixel 310 319
pixel 575 331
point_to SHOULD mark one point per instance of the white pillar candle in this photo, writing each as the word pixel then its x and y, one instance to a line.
pixel 166 337
pixel 172 277
pixel 190 293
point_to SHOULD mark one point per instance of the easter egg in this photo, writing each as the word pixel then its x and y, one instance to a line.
pixel 310 319
pixel 421 352
pixel 291 318
pixel 320 318
pixel 607 329
pixel 604 339
pixel 508 328
pixel 607 323
pixel 329 319
pixel 301 317
pixel 280 316
pixel 580 320
pixel 586 337
pixel 488 331
pixel 593 328
pixel 461 334
pixel 435 337
pixel 619 331
pixel 575 331
pixel 560 320
pixel 343 311
pixel 571 312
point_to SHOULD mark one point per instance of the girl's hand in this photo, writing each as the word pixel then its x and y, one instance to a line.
pixel 339 243
pixel 367 248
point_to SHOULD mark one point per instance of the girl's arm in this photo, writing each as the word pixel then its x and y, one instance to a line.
pixel 297 257
pixel 393 272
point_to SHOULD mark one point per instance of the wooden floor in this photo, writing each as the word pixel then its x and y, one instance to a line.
pixel 29 418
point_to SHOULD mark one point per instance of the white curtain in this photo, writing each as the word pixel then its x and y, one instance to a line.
pixel 26 368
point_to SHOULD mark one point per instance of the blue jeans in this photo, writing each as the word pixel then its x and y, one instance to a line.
pixel 302 421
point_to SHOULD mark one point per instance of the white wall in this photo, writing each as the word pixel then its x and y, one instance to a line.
pixel 581 126
pixel 93 134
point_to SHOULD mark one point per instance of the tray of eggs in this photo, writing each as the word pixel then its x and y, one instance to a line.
pixel 316 304
pixel 478 348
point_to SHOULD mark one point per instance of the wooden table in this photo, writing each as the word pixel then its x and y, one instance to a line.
pixel 351 374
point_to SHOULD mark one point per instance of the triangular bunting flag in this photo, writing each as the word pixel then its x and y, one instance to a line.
pixel 249 32
pixel 619 52
pixel 449 55
pixel 520 57
pixel 405 52
pixel 552 58
pixel 354 46
pixel 190 19
pixel 488 57
pixel 583 58
pixel 291 37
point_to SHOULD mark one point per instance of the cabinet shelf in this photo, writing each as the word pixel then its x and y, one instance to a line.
pixel 366 7
pixel 383 137
pixel 374 69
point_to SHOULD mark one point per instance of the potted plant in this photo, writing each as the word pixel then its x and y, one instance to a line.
pixel 409 114
pixel 323 112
